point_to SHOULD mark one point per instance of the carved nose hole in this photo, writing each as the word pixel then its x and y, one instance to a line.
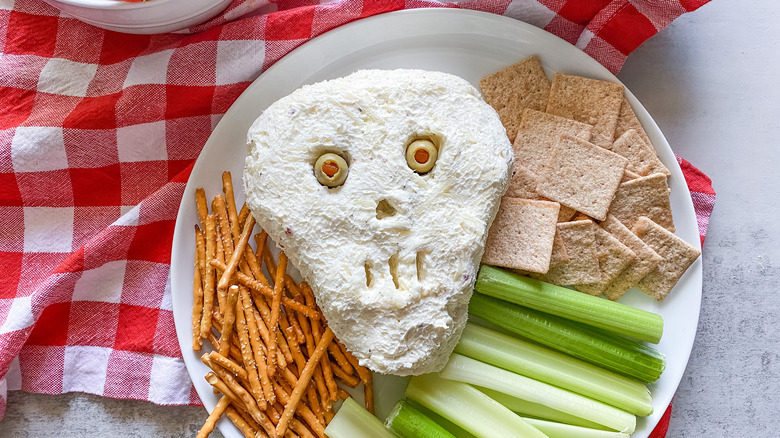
pixel 393 263
pixel 384 209
pixel 369 275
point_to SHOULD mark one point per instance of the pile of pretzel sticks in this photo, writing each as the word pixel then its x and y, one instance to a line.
pixel 274 360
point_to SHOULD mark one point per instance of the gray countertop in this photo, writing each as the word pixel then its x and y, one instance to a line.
pixel 711 80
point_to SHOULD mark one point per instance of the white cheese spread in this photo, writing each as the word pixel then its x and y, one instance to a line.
pixel 391 254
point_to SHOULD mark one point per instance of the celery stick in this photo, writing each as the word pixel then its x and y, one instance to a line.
pixel 408 422
pixel 467 370
pixel 469 408
pixel 451 427
pixel 352 421
pixel 525 408
pixel 558 430
pixel 616 353
pixel 570 304
pixel 558 369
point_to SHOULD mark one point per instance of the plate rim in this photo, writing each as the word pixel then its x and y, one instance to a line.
pixel 660 143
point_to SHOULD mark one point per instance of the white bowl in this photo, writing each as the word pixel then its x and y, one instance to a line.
pixel 154 16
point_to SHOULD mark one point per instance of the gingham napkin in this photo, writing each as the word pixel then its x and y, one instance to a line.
pixel 98 133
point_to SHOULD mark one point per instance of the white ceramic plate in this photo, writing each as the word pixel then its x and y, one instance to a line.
pixel 464 43
pixel 157 16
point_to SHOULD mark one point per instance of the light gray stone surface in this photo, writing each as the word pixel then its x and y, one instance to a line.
pixel 711 80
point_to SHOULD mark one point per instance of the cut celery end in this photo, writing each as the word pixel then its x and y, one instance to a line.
pixel 352 421
pixel 469 408
pixel 558 430
pixel 408 422
pixel 570 304
pixel 525 408
pixel 555 368
pixel 467 370
pixel 616 353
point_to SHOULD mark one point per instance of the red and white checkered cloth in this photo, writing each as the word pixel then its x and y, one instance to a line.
pixel 98 133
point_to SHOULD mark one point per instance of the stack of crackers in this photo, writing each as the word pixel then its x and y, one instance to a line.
pixel 588 204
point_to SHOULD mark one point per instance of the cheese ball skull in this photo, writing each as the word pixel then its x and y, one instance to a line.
pixel 391 253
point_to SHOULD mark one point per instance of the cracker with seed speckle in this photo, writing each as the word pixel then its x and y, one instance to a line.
pixel 514 88
pixel 645 196
pixel 646 259
pixel 582 266
pixel 590 101
pixel 613 257
pixel 539 132
pixel 582 176
pixel 522 235
pixel 678 255
pixel 641 156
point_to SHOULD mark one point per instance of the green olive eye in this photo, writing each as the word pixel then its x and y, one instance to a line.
pixel 331 170
pixel 421 155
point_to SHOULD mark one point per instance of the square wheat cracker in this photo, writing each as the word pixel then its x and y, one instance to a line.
pixel 522 235
pixel 641 156
pixel 522 184
pixel 646 259
pixel 514 88
pixel 645 196
pixel 613 257
pixel 588 101
pixel 678 255
pixel 581 249
pixel 627 119
pixel 539 132
pixel 582 176
pixel 629 175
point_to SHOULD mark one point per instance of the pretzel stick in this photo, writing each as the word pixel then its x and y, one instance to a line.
pixel 208 290
pixel 254 341
pixel 253 264
pixel 283 394
pixel 227 188
pixel 341 358
pixel 348 379
pixel 363 372
pixel 246 352
pixel 242 425
pixel 243 214
pixel 343 394
pixel 276 307
pixel 228 364
pixel 219 409
pixel 200 249
pixel 235 353
pixel 203 206
pixel 267 291
pixel 323 378
pixel 224 280
pixel 256 429
pixel 219 209
pixel 303 380
pixel 368 391
pixel 197 300
pixel 269 260
pixel 301 429
pixel 228 321
pixel 326 365
pixel 241 394
pixel 284 348
pixel 323 368
pixel 261 327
